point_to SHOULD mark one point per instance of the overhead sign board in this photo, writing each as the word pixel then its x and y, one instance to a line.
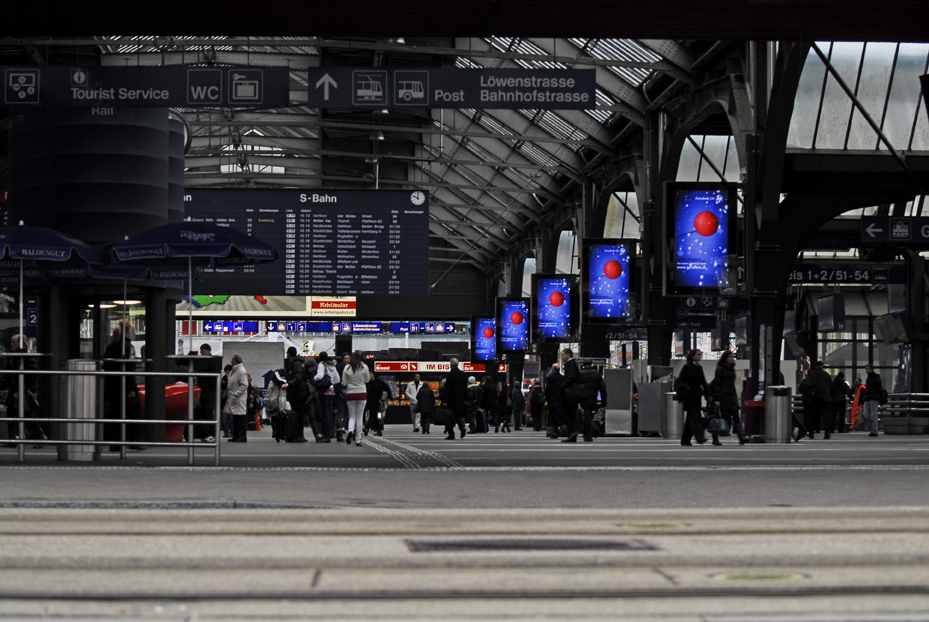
pixel 902 230
pixel 161 87
pixel 433 366
pixel 449 87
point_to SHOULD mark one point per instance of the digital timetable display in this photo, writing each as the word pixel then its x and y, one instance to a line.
pixel 330 242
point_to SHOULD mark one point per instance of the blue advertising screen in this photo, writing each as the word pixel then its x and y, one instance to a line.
pixel 608 271
pixel 553 303
pixel 701 234
pixel 483 339
pixel 513 324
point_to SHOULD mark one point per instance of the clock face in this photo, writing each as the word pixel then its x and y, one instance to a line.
pixel 418 198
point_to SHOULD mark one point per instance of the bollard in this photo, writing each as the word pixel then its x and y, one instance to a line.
pixel 82 401
pixel 778 418
pixel 672 425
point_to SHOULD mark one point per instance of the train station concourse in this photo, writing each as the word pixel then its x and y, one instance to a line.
pixel 465 311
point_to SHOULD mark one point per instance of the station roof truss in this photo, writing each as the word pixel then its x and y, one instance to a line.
pixel 495 176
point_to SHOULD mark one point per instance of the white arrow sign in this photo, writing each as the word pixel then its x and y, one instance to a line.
pixel 873 230
pixel 326 81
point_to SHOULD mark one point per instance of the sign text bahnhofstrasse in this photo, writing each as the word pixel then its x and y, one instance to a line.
pixel 449 87
pixel 156 87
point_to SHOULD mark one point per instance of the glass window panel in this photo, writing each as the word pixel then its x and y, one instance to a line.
pixel 837 107
pixel 920 140
pixel 904 94
pixel 528 271
pixel 872 93
pixel 566 256
pixel 714 150
pixel 616 213
pixel 733 168
pixel 806 104
pixel 690 161
pixel 885 355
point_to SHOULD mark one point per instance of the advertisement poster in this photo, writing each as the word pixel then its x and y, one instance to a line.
pixel 701 235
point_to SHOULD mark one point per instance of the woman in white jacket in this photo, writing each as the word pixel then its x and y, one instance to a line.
pixel 354 378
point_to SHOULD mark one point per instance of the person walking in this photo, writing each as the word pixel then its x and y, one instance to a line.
pixel 691 388
pixel 425 399
pixel 725 396
pixel 553 397
pixel 236 404
pixel 312 419
pixel 589 386
pixel 820 402
pixel 208 389
pixel 873 396
pixel 225 419
pixel 857 405
pixel 378 395
pixel 298 388
pixel 474 401
pixel 571 378
pixel 840 392
pixel 518 402
pixel 355 377
pixel 536 404
pixel 456 394
pixel 326 378
pixel 412 390
pixel 489 402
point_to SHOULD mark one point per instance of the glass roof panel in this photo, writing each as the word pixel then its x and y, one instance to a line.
pixel 537 155
pixel 807 102
pixel 715 149
pixel 837 107
pixel 872 93
pixel 620 221
pixel 621 49
pixel 905 101
pixel 690 162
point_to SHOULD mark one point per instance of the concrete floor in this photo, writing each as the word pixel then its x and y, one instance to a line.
pixel 526 529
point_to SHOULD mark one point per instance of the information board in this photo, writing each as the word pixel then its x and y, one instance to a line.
pixel 331 242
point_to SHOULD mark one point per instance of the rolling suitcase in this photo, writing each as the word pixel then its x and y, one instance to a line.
pixel 293 427
pixel 277 426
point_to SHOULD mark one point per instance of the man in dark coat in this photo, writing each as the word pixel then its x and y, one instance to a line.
pixel 691 388
pixel 589 386
pixel 821 402
pixel 456 395
pixel 571 378
pixel 553 384
pixel 490 400
pixel 208 390
pixel 377 390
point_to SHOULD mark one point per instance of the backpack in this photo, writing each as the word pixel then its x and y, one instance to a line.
pixel 323 384
pixel 297 390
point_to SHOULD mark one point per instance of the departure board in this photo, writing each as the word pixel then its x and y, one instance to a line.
pixel 330 242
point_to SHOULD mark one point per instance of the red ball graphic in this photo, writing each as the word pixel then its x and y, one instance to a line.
pixel 488 332
pixel 557 299
pixel 706 223
pixel 612 269
pixel 516 318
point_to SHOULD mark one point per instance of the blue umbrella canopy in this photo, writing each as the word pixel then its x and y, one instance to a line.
pixel 38 244
pixel 42 248
pixel 200 241
pixel 194 240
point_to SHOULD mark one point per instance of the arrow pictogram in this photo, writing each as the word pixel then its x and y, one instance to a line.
pixel 326 81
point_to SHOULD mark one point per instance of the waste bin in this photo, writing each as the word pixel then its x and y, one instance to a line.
pixel 778 418
pixel 673 424
pixel 82 401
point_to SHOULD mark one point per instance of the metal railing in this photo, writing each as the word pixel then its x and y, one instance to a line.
pixel 906 404
pixel 122 421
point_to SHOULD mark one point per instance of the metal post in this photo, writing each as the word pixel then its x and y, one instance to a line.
pixel 190 411
pixel 21 449
pixel 219 416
